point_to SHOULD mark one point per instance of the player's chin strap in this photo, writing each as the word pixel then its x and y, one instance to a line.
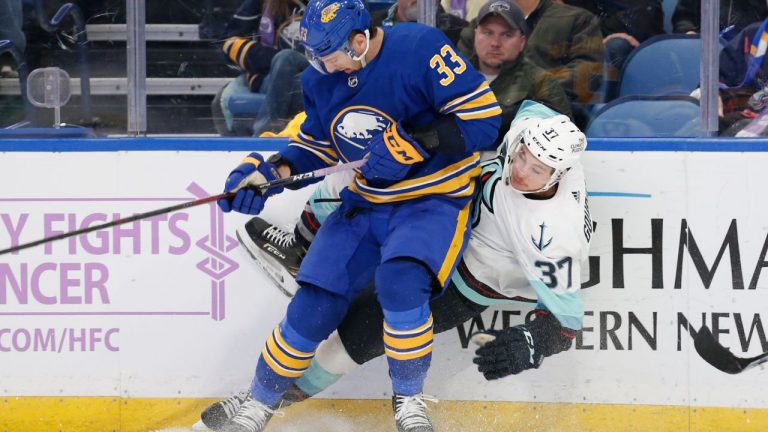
pixel 361 57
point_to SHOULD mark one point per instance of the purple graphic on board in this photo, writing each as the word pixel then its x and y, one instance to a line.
pixel 217 265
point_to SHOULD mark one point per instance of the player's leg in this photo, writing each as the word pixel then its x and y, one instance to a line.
pixel 289 350
pixel 358 338
pixel 403 289
pixel 423 245
pixel 356 341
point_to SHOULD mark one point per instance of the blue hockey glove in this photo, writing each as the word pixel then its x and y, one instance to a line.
pixel 251 172
pixel 515 349
pixel 391 155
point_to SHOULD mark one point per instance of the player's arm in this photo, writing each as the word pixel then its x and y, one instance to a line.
pixel 556 323
pixel 470 115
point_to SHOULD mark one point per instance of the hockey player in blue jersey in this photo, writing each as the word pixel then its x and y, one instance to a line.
pixel 535 183
pixel 403 98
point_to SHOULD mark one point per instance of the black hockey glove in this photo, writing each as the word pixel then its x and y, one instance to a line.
pixel 515 349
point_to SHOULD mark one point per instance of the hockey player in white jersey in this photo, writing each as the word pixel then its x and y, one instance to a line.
pixel 531 231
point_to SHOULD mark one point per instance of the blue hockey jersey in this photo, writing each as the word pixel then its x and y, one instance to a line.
pixel 416 77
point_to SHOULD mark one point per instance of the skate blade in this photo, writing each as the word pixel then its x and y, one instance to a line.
pixel 282 278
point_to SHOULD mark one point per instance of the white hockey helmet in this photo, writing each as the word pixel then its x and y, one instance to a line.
pixel 554 141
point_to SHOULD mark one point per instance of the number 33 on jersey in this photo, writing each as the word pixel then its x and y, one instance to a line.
pixel 416 78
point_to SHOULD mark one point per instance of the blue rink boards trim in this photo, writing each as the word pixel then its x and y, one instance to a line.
pixel 733 145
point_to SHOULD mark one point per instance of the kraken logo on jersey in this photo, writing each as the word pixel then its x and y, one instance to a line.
pixel 483 196
pixel 329 12
pixel 356 125
pixel 541 244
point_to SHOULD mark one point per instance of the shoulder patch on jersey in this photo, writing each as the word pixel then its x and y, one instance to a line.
pixel 483 197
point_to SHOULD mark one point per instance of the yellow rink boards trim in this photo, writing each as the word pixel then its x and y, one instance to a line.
pixel 106 414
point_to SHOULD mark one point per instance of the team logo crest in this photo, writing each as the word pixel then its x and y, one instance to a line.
pixel 541 243
pixel 499 6
pixel 329 12
pixel 356 126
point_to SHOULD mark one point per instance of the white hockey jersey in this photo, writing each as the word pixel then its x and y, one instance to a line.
pixel 525 249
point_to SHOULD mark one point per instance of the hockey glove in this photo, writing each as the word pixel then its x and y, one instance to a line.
pixel 515 349
pixel 251 172
pixel 391 155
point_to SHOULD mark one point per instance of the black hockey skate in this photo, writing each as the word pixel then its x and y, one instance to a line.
pixel 276 251
pixel 218 414
pixel 411 413
pixel 252 416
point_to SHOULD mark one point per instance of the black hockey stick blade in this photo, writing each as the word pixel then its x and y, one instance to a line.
pixel 322 172
pixel 721 357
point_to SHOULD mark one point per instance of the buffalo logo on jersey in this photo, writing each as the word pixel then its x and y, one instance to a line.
pixel 356 126
pixel 329 12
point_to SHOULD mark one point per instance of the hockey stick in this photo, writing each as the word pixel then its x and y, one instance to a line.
pixel 721 357
pixel 322 172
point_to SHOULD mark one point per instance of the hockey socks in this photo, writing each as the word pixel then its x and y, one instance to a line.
pixel 408 349
pixel 285 357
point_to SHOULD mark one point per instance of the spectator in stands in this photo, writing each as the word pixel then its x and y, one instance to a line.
pixel 625 24
pixel 500 37
pixel 566 41
pixel 270 59
pixel 408 11
pixel 11 20
pixel 744 77
pixel 734 15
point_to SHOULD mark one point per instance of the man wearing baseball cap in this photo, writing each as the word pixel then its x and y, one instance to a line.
pixel 565 41
pixel 500 34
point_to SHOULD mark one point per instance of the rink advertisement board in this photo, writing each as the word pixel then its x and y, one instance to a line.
pixel 172 306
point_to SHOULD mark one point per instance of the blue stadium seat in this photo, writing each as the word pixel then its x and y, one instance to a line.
pixel 662 65
pixel 246 105
pixel 647 116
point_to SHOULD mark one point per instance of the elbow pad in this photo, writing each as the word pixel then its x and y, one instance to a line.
pixel 442 135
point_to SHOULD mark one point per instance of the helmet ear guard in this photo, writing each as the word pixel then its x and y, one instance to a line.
pixel 554 141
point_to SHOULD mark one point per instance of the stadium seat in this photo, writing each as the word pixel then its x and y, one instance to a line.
pixel 647 116
pixel 245 109
pixel 662 65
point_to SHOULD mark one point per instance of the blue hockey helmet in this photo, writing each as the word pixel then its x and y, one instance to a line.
pixel 327 24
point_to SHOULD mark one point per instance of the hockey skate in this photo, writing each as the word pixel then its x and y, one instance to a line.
pixel 275 250
pixel 411 413
pixel 252 416
pixel 218 414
